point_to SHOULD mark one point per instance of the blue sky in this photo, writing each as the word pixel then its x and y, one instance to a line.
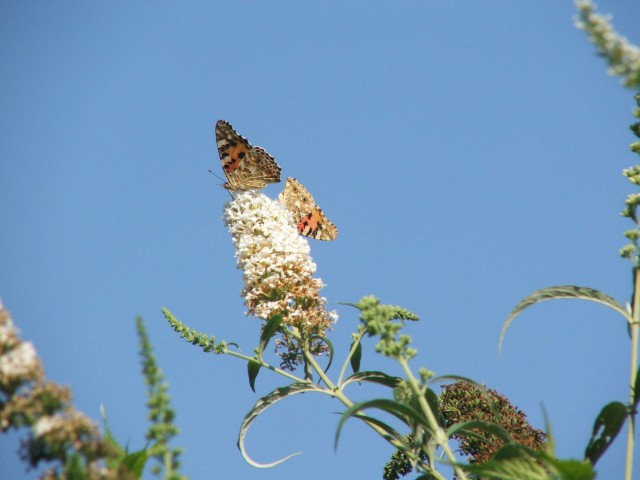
pixel 469 153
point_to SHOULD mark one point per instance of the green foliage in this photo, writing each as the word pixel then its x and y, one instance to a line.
pixel 379 320
pixel 605 430
pixel 162 428
pixel 562 292
pixel 356 347
pixel 631 251
pixel 380 378
pixel 134 463
pixel 493 434
pixel 636 392
pixel 206 342
pixel 624 60
pixel 272 327
pixel 399 464
pixel 517 462
pixel 401 411
pixel 263 404
pixel 253 368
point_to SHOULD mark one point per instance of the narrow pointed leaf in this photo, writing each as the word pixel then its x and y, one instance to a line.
pixel 560 292
pixel 572 469
pixel 349 304
pixel 605 430
pixel 135 462
pixel 464 428
pixel 270 329
pixel 636 391
pixel 509 469
pixel 399 410
pixel 330 345
pixel 390 431
pixel 457 378
pixel 550 441
pixel 110 439
pixel 434 403
pixel 373 377
pixel 326 341
pixel 511 462
pixel 260 406
pixel 356 357
pixel 253 368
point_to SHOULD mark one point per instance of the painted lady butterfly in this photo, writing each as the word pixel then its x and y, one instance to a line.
pixel 245 167
pixel 310 219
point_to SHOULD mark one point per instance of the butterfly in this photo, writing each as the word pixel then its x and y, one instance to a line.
pixel 245 167
pixel 311 221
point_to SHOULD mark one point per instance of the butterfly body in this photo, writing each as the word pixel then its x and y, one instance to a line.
pixel 310 219
pixel 246 167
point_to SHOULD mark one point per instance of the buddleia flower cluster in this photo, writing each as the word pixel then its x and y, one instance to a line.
pixel 278 273
pixel 60 436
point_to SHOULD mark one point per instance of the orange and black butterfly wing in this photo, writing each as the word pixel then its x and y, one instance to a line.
pixel 246 167
pixel 310 219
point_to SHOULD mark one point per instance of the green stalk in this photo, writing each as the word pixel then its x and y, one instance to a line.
pixel 634 365
pixel 339 394
pixel 439 434
pixel 264 364
pixel 356 342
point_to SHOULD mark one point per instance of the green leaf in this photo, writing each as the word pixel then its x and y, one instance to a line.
pixel 559 292
pixel 270 329
pixel 349 304
pixel 605 430
pixel 110 439
pixel 373 377
pixel 434 403
pixel 356 357
pixel 399 410
pixel 457 378
pixel 511 469
pixel 464 428
pixel 253 368
pixel 550 443
pixel 329 344
pixel 260 406
pixel 573 469
pixel 390 431
pixel 636 392
pixel 511 462
pixel 134 462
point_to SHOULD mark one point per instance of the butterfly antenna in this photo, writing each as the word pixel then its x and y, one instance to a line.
pixel 217 176
pixel 220 178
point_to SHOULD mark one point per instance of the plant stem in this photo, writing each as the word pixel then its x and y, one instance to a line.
pixel 634 366
pixel 339 394
pixel 265 365
pixel 356 342
pixel 438 433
